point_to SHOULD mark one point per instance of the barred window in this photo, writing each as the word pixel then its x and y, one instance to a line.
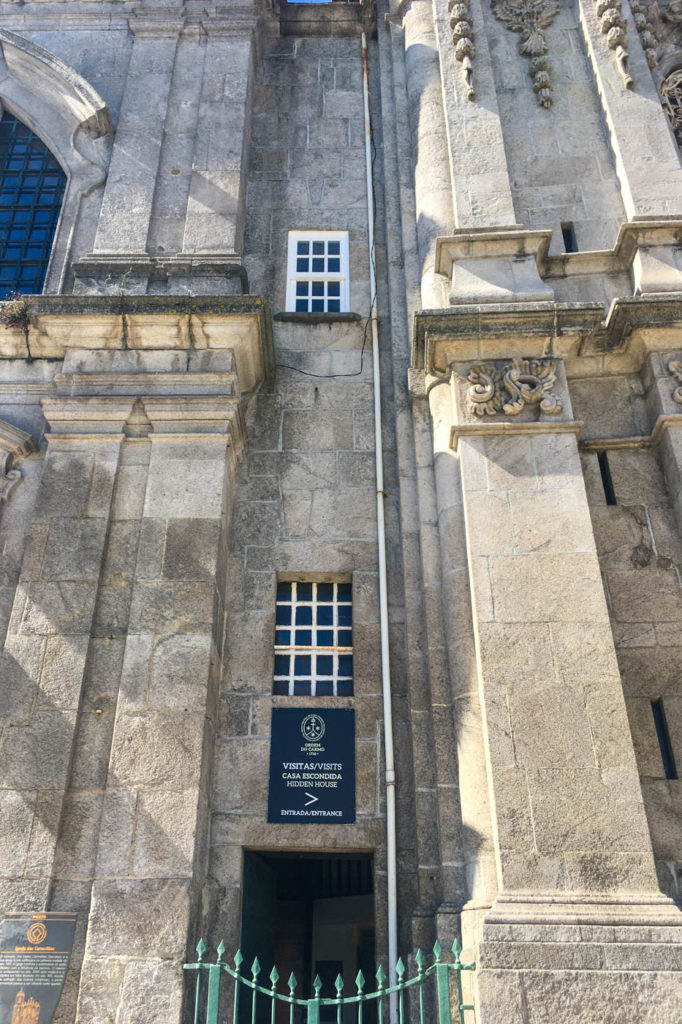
pixel 314 639
pixel 31 191
pixel 317 272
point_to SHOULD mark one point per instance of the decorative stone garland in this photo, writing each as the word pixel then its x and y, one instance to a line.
pixel 613 27
pixel 530 17
pixel 675 371
pixel 643 17
pixel 463 38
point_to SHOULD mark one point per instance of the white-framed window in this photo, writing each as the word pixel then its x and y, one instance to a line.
pixel 313 639
pixel 317 272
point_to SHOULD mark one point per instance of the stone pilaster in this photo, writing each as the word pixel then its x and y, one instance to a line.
pixel 123 224
pixel 571 841
pixel 43 661
pixel 663 379
pixel 150 862
pixel 215 208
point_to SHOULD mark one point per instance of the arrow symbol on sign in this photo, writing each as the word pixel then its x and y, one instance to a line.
pixel 313 799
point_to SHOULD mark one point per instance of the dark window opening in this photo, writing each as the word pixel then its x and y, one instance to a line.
pixel 568 232
pixel 607 482
pixel 31 191
pixel 664 743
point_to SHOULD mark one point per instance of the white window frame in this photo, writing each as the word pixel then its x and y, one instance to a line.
pixel 294 275
pixel 336 649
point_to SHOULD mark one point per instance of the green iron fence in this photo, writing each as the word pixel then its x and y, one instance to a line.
pixel 427 998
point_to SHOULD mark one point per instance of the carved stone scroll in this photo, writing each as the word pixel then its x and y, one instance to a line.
pixel 521 383
pixel 675 371
pixel 530 18
pixel 13 444
pixel 613 26
pixel 463 38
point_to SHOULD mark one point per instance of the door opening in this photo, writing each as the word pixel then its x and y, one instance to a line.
pixel 311 914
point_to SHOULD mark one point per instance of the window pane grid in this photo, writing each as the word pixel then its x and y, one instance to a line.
pixel 317 272
pixel 31 191
pixel 314 640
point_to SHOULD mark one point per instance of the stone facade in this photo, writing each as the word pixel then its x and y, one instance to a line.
pixel 175 441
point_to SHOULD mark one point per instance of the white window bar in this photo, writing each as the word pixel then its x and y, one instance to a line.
pixel 317 272
pixel 313 639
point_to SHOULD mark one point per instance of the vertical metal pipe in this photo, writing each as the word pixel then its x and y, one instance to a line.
pixel 391 855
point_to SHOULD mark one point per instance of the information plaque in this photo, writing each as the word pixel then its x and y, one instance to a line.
pixel 312 766
pixel 34 955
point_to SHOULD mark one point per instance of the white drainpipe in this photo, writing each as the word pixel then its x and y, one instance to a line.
pixel 391 860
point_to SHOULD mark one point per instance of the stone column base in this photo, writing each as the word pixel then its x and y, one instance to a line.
pixel 556 959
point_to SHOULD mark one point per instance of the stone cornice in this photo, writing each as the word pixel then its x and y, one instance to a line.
pixel 579 333
pixel 58 324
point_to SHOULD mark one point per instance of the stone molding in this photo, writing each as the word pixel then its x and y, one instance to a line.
pixel 638 909
pixel 645 248
pixel 578 333
pixel 494 264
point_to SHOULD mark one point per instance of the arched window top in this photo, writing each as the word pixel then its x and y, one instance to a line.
pixel 671 97
pixel 31 192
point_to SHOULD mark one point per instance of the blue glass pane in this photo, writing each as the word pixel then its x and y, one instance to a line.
pixel 324 688
pixel 301 305
pixel 334 266
pixel 283 615
pixel 281 686
pixel 344 688
pixel 283 637
pixel 345 638
pixel 344 592
pixel 334 288
pixel 334 248
pixel 30 177
pixel 346 665
pixel 304 615
pixel 302 248
pixel 325 615
pixel 318 288
pixel 325 592
pixel 334 306
pixel 345 615
pixel 325 664
pixel 283 591
pixel 317 305
pixel 318 266
pixel 302 265
pixel 302 665
pixel 304 638
pixel 281 664
pixel 301 287
pixel 304 592
pixel 318 248
pixel 325 638
pixel 301 687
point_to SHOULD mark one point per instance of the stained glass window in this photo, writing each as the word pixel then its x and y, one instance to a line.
pixel 31 191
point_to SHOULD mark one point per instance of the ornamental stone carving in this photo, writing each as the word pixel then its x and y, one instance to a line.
pixel 13 444
pixel 530 18
pixel 521 383
pixel 675 370
pixel 463 38
pixel 671 99
pixel 613 26
pixel 647 20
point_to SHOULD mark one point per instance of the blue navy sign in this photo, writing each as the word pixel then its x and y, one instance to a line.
pixel 312 766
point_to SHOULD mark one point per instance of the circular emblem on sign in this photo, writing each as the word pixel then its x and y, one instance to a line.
pixel 36 933
pixel 313 728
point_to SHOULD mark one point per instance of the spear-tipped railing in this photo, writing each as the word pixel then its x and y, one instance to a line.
pixel 418 990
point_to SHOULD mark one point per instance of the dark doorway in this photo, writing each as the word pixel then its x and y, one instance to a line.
pixel 310 914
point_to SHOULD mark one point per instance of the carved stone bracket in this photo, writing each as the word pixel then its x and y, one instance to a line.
pixel 675 370
pixel 521 383
pixel 613 26
pixel 463 38
pixel 13 444
pixel 530 18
